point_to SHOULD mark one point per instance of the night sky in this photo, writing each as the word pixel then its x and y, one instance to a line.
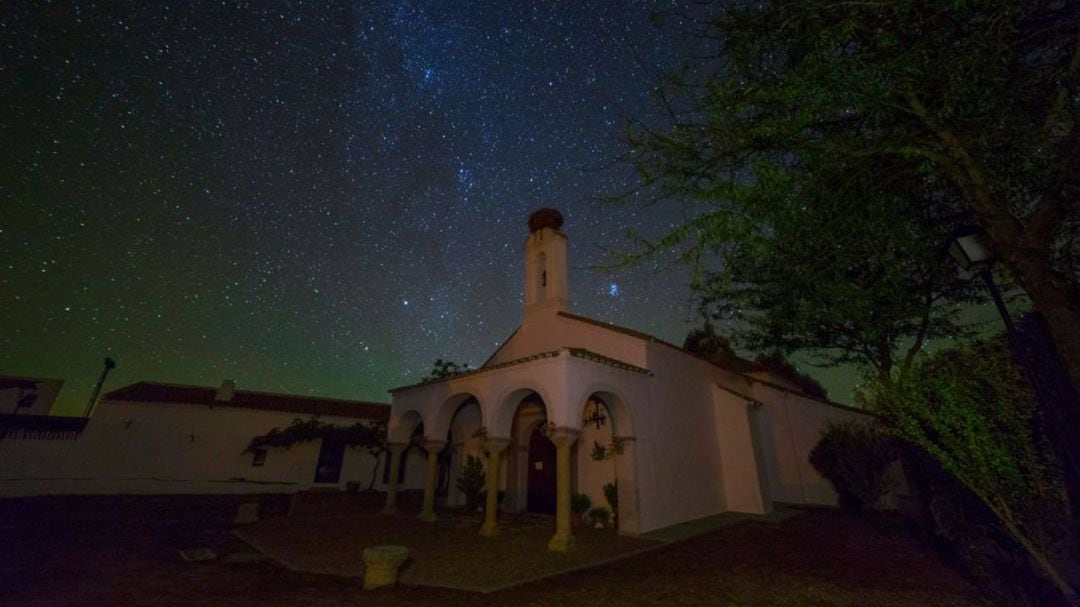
pixel 311 197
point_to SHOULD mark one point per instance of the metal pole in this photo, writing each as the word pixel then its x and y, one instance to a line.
pixel 109 365
pixel 1058 425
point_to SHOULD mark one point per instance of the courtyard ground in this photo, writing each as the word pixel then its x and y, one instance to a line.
pixel 124 551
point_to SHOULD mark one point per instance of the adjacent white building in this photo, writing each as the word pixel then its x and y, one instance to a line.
pixel 157 438
pixel 685 438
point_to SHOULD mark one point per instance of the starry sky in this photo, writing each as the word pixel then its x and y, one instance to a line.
pixel 311 197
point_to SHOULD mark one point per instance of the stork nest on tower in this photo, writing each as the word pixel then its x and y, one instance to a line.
pixel 545 218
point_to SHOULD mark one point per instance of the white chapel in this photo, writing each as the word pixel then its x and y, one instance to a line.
pixel 569 404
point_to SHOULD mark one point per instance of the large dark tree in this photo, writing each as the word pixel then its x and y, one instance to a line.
pixel 802 106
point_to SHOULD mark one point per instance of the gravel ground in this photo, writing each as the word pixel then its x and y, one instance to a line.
pixel 124 551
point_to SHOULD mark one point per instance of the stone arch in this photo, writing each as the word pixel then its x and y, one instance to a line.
pixel 620 415
pixel 443 416
pixel 505 407
pixel 462 442
pixel 401 427
pixel 623 464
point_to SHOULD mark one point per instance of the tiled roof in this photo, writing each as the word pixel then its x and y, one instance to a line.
pixel 151 392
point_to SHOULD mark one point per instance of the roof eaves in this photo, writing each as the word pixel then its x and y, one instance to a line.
pixel 453 376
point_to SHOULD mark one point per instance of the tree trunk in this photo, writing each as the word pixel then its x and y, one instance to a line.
pixel 375 472
pixel 1060 309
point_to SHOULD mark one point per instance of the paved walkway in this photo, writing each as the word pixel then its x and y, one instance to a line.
pixel 327 535
pixel 448 554
pixel 701 526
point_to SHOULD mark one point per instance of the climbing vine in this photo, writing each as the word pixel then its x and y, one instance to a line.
pixel 369 436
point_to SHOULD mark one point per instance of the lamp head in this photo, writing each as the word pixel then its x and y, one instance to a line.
pixel 971 248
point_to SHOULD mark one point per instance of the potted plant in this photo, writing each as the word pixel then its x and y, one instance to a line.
pixel 471 483
pixel 600 517
pixel 579 506
pixel 611 493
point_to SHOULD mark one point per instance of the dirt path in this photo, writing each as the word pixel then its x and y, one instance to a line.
pixel 123 551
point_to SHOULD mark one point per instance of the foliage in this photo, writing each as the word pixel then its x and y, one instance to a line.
pixel 444 368
pixel 775 362
pixel 471 482
pixel 828 147
pixel 706 343
pixel 967 530
pixel 611 494
pixel 969 409
pixel 600 452
pixel 580 503
pixel 600 515
pixel 305 431
pixel 855 456
pixel 370 436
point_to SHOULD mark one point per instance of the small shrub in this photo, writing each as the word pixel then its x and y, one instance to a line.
pixel 854 456
pixel 611 494
pixel 600 516
pixel 471 482
pixel 580 503
pixel 599 452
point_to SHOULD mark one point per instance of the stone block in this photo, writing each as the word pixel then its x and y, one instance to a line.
pixel 247 514
pixel 381 565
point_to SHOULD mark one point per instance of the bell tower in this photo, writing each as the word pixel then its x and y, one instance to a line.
pixel 545 264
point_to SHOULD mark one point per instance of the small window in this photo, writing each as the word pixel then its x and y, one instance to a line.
pixel 259 458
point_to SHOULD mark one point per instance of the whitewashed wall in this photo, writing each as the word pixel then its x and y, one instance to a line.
pixel 136 448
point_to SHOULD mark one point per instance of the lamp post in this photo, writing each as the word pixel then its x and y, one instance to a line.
pixel 971 248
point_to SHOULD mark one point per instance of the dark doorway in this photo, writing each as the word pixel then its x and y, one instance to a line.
pixel 541 495
pixel 328 470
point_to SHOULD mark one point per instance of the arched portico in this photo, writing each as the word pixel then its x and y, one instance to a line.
pixel 607 429
pixel 464 408
pixel 399 433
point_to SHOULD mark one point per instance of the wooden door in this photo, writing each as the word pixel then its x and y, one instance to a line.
pixel 328 468
pixel 541 495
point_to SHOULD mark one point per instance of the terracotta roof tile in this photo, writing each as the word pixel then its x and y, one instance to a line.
pixel 151 392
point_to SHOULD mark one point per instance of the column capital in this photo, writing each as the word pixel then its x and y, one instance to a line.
pixel 496 445
pixel 563 436
pixel 434 445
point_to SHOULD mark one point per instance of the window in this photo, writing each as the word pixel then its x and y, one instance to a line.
pixel 542 266
pixel 259 458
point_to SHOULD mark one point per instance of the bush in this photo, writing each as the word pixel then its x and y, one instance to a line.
pixel 600 515
pixel 580 503
pixel 611 494
pixel 971 411
pixel 854 456
pixel 471 482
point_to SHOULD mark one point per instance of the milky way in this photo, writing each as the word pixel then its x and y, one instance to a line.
pixel 310 197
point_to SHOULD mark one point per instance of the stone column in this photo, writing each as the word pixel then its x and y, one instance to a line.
pixel 433 447
pixel 453 495
pixel 396 449
pixel 626 477
pixel 563 540
pixel 517 474
pixel 495 447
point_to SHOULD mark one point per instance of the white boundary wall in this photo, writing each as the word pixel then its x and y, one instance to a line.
pixel 140 448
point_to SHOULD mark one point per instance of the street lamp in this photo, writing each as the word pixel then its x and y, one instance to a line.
pixel 971 248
